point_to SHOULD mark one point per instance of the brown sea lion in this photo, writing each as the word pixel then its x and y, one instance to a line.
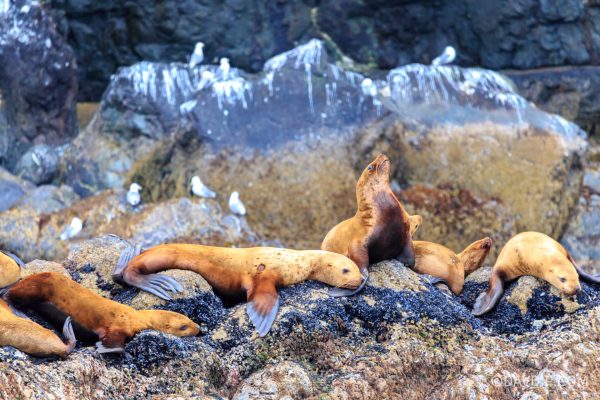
pixel 380 229
pixel 257 271
pixel 111 321
pixel 10 268
pixel 451 268
pixel 31 338
pixel 536 254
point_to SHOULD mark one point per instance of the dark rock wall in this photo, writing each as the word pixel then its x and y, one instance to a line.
pixel 496 34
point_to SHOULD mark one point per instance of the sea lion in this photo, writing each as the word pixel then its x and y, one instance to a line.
pixel 380 229
pixel 536 254
pixel 257 271
pixel 111 321
pixel 10 268
pixel 451 268
pixel 31 338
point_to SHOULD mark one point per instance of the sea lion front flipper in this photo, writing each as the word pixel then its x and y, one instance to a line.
pixel 488 299
pixel 126 256
pixel 111 342
pixel 69 334
pixel 262 306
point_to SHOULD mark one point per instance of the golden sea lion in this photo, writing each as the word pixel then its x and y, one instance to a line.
pixel 31 338
pixel 257 271
pixel 111 321
pixel 10 268
pixel 451 268
pixel 380 229
pixel 536 254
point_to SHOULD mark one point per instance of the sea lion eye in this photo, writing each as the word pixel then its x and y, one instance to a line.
pixel 183 328
pixel 563 280
pixel 371 167
pixel 345 270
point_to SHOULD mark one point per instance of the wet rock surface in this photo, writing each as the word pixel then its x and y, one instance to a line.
pixel 38 83
pixel 368 345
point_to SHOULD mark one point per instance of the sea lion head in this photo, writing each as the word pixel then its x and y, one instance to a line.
pixel 375 176
pixel 564 278
pixel 474 255
pixel 336 270
pixel 172 322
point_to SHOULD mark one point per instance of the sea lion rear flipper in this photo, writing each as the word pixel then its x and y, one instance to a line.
pixel 156 284
pixel 126 256
pixel 262 306
pixel 111 342
pixel 488 299
pixel 582 274
pixel 16 259
pixel 69 335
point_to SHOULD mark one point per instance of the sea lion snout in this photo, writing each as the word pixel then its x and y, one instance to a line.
pixel 486 243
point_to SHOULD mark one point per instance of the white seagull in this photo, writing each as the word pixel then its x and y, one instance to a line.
pixel 198 55
pixel 200 189
pixel 235 204
pixel 224 67
pixel 447 56
pixel 133 195
pixel 73 229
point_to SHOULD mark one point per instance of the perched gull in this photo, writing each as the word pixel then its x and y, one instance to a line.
pixel 133 195
pixel 198 55
pixel 447 56
pixel 200 189
pixel 72 230
pixel 235 204
pixel 224 67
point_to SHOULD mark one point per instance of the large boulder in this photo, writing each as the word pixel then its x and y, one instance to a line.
pixel 293 139
pixel 38 85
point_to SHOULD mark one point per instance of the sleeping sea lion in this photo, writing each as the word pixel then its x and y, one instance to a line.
pixel 451 268
pixel 31 338
pixel 257 271
pixel 10 268
pixel 536 254
pixel 111 321
pixel 380 229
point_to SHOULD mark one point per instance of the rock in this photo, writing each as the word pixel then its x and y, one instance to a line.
pixel 582 234
pixel 457 218
pixel 570 91
pixel 160 124
pixel 498 35
pixel 371 345
pixel 283 380
pixel 12 189
pixel 39 266
pixel 32 235
pixel 47 199
pixel 39 164
pixel 38 86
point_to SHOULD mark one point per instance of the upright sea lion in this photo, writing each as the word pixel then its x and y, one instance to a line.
pixel 31 338
pixel 257 271
pixel 10 268
pixel 441 262
pixel 111 321
pixel 380 229
pixel 536 254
